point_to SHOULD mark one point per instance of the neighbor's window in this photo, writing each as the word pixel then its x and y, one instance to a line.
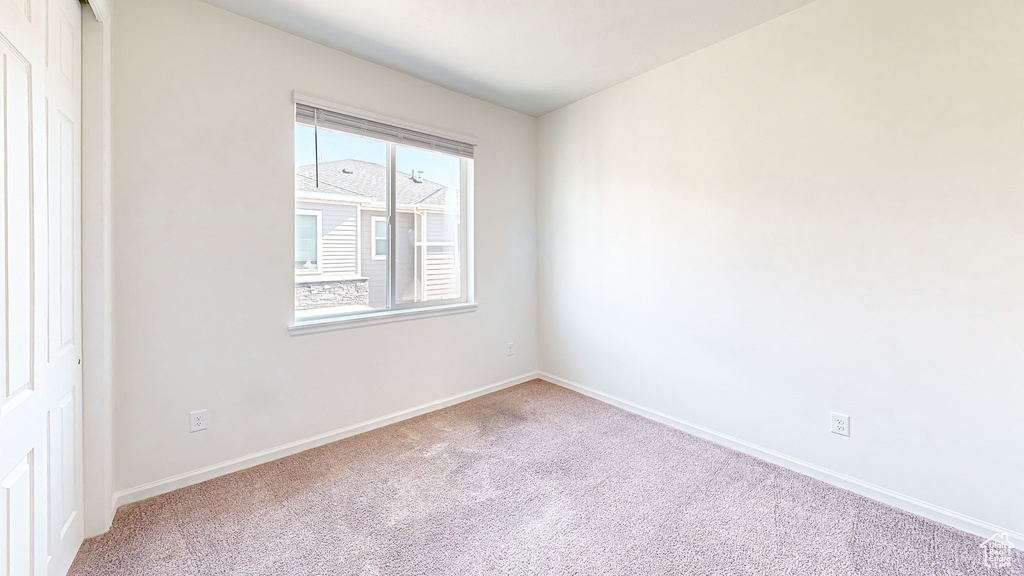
pixel 307 241
pixel 380 238
pixel 380 215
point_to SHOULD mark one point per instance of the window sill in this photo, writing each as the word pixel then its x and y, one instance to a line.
pixel 326 277
pixel 330 323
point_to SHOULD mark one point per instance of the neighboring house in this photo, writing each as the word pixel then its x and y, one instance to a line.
pixel 341 243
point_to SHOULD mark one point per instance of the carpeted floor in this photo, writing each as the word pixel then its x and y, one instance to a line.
pixel 533 479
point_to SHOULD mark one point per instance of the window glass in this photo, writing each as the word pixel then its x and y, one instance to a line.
pixel 342 177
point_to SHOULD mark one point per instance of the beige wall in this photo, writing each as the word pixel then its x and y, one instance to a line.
pixel 826 215
pixel 203 247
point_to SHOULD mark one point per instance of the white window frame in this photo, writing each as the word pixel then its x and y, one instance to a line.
pixel 310 324
pixel 374 238
pixel 319 240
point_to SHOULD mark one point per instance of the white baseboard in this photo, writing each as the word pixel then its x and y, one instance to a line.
pixel 895 499
pixel 196 476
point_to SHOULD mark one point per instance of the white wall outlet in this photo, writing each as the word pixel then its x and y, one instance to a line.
pixel 509 349
pixel 198 420
pixel 840 424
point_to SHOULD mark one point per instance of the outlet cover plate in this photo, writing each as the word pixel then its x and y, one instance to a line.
pixel 198 420
pixel 840 424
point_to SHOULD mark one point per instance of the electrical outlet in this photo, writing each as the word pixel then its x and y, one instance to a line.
pixel 840 424
pixel 198 420
pixel 509 349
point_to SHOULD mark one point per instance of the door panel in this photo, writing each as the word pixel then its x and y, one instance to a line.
pixel 17 511
pixel 17 222
pixel 63 233
pixel 61 432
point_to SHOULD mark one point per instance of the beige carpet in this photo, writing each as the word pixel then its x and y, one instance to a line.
pixel 533 479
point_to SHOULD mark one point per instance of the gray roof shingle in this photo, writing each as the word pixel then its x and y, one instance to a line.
pixel 366 179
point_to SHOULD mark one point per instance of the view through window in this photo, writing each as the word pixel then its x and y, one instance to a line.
pixel 378 224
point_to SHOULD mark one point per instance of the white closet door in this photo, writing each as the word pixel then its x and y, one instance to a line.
pixel 40 292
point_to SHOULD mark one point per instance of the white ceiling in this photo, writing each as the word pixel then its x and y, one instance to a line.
pixel 528 55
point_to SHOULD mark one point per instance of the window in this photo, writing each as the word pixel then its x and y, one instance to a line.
pixel 380 238
pixel 307 242
pixel 381 217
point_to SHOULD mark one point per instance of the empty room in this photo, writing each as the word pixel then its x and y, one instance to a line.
pixel 432 287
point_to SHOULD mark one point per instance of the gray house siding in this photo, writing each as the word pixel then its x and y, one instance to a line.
pixel 376 270
pixel 442 227
pixel 338 222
